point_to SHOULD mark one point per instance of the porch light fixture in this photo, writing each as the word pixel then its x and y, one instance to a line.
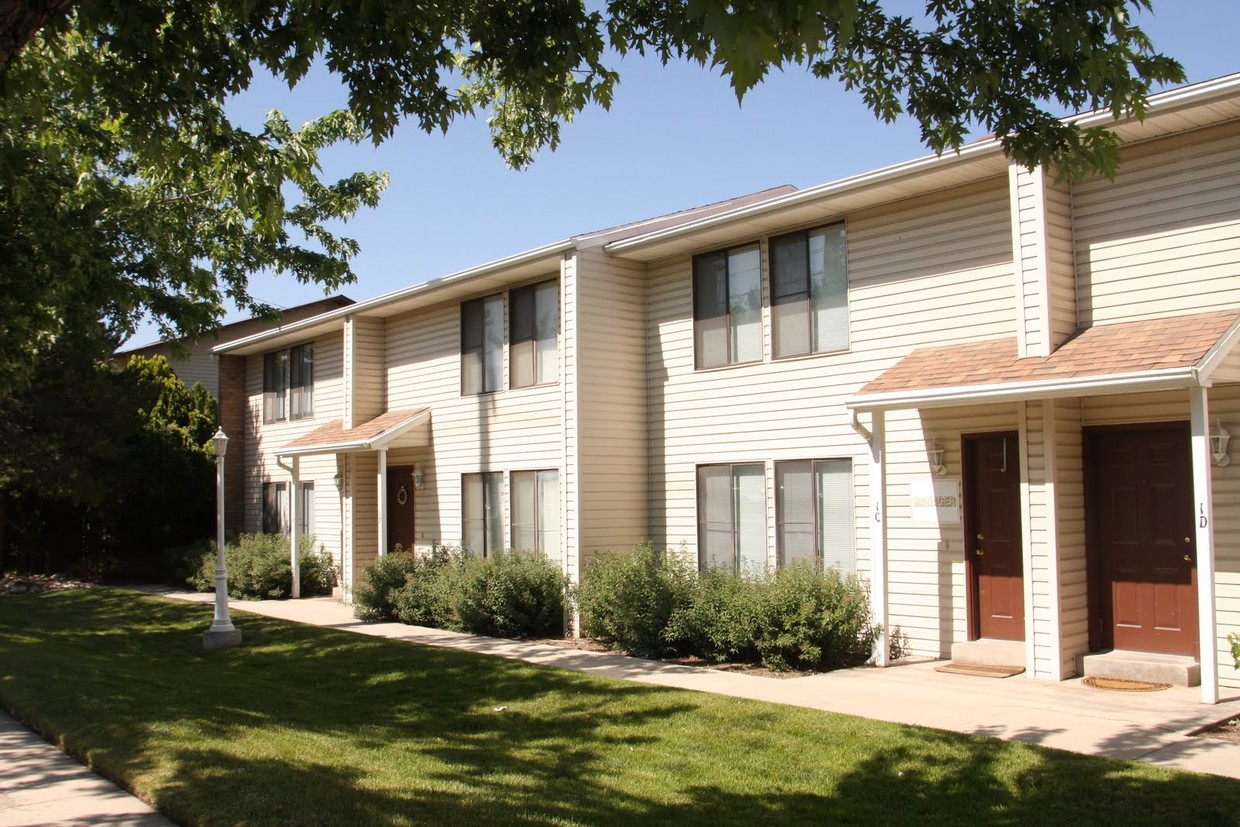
pixel 935 456
pixel 222 632
pixel 419 480
pixel 1219 438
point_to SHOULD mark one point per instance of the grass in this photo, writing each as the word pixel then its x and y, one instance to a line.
pixel 305 726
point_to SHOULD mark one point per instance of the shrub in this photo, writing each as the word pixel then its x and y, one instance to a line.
pixel 423 599
pixel 374 596
pixel 813 619
pixel 629 599
pixel 259 568
pixel 720 623
pixel 509 594
pixel 1234 640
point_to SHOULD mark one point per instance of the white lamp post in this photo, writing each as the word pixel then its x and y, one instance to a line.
pixel 222 633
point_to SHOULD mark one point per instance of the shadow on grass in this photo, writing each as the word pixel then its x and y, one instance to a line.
pixel 310 726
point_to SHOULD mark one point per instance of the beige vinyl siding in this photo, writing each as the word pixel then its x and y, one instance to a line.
pixel 1042 241
pixel 1164 239
pixel 612 474
pixel 264 439
pixel 1064 417
pixel 364 398
pixel 928 271
pixel 509 430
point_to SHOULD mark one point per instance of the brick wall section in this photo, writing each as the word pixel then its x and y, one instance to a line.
pixel 232 420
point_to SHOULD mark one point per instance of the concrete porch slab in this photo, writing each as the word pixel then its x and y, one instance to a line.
pixel 1176 670
pixel 989 652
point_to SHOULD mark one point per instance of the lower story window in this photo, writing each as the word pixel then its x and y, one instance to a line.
pixel 732 517
pixel 536 512
pixel 482 513
pixel 275 508
pixel 814 513
pixel 306 517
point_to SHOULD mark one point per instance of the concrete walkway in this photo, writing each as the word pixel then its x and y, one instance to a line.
pixel 40 785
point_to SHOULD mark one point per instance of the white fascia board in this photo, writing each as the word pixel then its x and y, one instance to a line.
pixel 1220 351
pixel 331 448
pixel 1140 382
pixel 361 308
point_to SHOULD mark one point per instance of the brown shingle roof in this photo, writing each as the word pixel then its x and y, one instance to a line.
pixel 1106 350
pixel 334 432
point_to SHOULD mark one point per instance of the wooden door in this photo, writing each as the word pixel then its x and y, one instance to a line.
pixel 1142 554
pixel 400 507
pixel 994 568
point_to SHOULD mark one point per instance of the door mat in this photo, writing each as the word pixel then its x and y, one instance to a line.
pixel 1122 685
pixel 980 670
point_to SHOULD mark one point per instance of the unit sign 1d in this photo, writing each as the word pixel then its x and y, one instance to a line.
pixel 935 502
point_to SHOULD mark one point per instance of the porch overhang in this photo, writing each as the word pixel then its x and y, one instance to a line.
pixel 1171 353
pixel 394 429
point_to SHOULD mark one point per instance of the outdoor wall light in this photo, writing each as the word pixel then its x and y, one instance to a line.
pixel 1219 438
pixel 935 456
pixel 419 480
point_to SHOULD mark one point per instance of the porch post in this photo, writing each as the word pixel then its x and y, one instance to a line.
pixel 382 489
pixel 1203 519
pixel 295 528
pixel 878 535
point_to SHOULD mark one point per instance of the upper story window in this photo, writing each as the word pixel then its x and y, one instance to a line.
pixel 482 345
pixel 288 384
pixel 727 307
pixel 809 292
pixel 534 325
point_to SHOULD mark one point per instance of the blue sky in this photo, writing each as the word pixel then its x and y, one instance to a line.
pixel 674 138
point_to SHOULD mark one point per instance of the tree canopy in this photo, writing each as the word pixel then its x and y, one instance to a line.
pixel 125 190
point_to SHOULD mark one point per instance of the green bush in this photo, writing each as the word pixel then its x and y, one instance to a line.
pixel 629 600
pixel 1234 640
pixel 811 619
pixel 720 622
pixel 423 599
pixel 374 596
pixel 259 568
pixel 510 594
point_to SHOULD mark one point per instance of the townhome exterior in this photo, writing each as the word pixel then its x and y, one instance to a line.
pixel 991 394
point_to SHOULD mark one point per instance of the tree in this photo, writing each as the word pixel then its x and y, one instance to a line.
pixel 125 190
pixel 108 467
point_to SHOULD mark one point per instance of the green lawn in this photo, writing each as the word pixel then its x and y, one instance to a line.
pixel 312 726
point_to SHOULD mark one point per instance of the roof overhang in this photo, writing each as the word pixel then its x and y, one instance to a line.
pixel 493 275
pixel 1143 356
pixel 1178 110
pixel 396 429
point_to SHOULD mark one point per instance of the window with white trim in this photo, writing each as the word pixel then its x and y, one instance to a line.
pixel 814 515
pixel 482 345
pixel 536 511
pixel 732 517
pixel 482 513
pixel 533 341
pixel 288 384
pixel 809 292
pixel 727 307
pixel 306 515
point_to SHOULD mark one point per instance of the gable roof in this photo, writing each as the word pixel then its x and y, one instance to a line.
pixel 384 431
pixel 1152 354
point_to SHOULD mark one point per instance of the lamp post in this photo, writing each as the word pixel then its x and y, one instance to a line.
pixel 222 633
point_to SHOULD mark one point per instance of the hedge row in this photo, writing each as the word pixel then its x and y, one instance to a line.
pixel 644 602
pixel 259 568
pixel 655 604
pixel 510 594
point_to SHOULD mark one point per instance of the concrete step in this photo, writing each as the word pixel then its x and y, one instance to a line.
pixel 1177 670
pixel 989 652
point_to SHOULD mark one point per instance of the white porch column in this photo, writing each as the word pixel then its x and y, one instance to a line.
pixel 295 528
pixel 383 515
pixel 1203 495
pixel 878 535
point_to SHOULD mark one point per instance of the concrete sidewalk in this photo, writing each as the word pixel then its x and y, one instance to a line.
pixel 1154 727
pixel 40 785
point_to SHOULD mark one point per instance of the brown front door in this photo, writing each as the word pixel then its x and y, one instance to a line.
pixel 995 570
pixel 1142 557
pixel 400 507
